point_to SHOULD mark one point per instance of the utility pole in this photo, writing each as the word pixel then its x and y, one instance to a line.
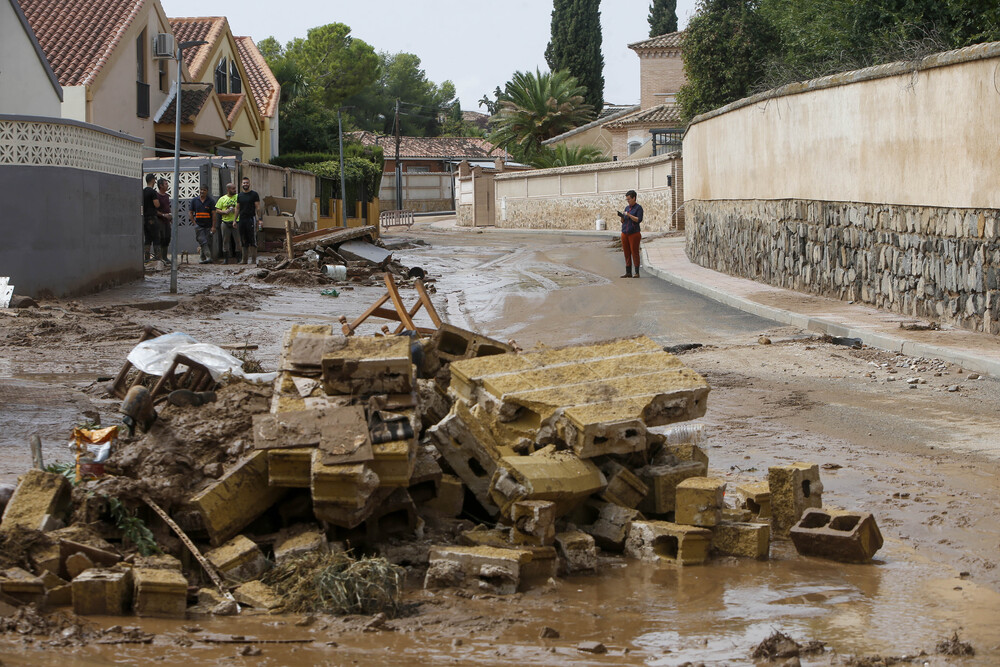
pixel 343 192
pixel 399 168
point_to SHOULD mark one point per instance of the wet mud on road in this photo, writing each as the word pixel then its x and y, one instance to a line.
pixel 918 458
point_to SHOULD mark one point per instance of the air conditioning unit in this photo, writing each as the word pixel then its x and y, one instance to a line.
pixel 163 45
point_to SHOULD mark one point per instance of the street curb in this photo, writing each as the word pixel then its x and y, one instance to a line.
pixel 966 360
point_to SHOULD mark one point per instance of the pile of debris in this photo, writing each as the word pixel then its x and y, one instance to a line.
pixel 453 454
pixel 328 256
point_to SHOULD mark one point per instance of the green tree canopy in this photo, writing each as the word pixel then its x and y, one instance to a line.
pixel 575 46
pixel 535 107
pixel 562 155
pixel 422 101
pixel 662 17
pixel 727 47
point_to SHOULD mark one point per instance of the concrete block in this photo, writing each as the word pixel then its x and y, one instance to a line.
pixel 426 478
pixel 700 501
pixel 351 516
pixel 755 497
pixel 611 528
pixel 76 563
pixel 159 562
pixel 307 542
pixel 794 489
pixel 534 522
pixel 577 551
pixel 662 483
pixel 211 601
pixel 489 569
pixel 37 496
pixel 23 586
pixel 733 515
pixel 452 343
pixel 60 596
pixel 545 475
pixel 238 560
pixel 850 537
pixel 470 450
pixel 290 467
pixel 394 461
pixel 349 485
pixel 369 365
pixel 159 592
pixel 450 497
pixel 258 595
pixel 229 504
pixel 687 452
pixel 748 540
pixel 624 487
pixel 669 542
pixel 99 592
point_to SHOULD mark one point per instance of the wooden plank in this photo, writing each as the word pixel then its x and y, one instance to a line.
pixel 311 240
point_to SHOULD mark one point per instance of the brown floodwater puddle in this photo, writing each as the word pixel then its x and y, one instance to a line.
pixel 645 614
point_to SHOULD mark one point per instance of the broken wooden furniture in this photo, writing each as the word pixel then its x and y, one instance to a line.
pixel 401 314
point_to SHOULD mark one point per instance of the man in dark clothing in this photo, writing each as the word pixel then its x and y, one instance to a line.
pixel 631 217
pixel 247 217
pixel 164 219
pixel 203 213
pixel 149 206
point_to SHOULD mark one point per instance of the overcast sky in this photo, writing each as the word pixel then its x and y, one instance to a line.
pixel 476 45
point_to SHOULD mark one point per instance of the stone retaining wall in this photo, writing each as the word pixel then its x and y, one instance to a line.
pixel 582 212
pixel 928 262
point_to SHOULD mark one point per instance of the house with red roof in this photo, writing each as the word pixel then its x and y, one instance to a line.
pixel 654 127
pixel 236 71
pixel 31 88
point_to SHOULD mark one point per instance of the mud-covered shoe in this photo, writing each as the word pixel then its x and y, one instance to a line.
pixel 628 272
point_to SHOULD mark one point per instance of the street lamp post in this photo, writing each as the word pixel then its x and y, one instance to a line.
pixel 177 162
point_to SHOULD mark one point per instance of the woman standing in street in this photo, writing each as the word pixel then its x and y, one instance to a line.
pixel 631 217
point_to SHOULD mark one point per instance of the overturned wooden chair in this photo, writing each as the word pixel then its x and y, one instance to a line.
pixel 401 314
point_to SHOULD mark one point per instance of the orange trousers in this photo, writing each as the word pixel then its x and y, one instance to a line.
pixel 630 246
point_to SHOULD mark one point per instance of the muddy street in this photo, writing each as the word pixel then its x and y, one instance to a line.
pixel 911 453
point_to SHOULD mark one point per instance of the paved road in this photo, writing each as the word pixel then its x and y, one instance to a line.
pixel 561 289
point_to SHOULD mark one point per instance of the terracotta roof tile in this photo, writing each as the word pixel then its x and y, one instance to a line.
pixel 194 96
pixel 231 104
pixel 668 114
pixel 672 40
pixel 263 85
pixel 79 36
pixel 194 29
pixel 432 147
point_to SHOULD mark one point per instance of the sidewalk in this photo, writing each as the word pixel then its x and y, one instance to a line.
pixel 979 352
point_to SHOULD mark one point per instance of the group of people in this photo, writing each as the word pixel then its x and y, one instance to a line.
pixel 234 219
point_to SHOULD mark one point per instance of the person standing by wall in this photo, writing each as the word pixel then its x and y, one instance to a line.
pixel 150 204
pixel 249 214
pixel 203 213
pixel 226 208
pixel 631 218
pixel 164 219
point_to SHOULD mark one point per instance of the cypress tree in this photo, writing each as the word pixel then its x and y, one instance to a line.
pixel 576 45
pixel 662 17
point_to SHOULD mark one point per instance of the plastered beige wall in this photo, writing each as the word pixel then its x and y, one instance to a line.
pixel 113 94
pixel 929 137
pixel 25 86
pixel 574 197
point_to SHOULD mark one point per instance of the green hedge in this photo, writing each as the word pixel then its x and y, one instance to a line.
pixel 359 173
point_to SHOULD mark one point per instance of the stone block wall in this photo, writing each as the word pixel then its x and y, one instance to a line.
pixel 582 212
pixel 929 262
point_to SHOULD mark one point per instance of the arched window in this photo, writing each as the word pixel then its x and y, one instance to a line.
pixel 221 74
pixel 235 84
pixel 633 146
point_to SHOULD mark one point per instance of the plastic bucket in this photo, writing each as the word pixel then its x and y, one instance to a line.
pixel 601 225
pixel 336 271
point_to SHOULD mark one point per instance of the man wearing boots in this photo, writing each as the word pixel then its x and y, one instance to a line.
pixel 226 208
pixel 164 219
pixel 631 217
pixel 249 214
pixel 203 212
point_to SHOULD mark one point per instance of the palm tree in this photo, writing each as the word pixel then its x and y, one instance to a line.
pixel 566 156
pixel 535 107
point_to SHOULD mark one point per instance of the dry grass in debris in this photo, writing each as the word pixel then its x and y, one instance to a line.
pixel 337 583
